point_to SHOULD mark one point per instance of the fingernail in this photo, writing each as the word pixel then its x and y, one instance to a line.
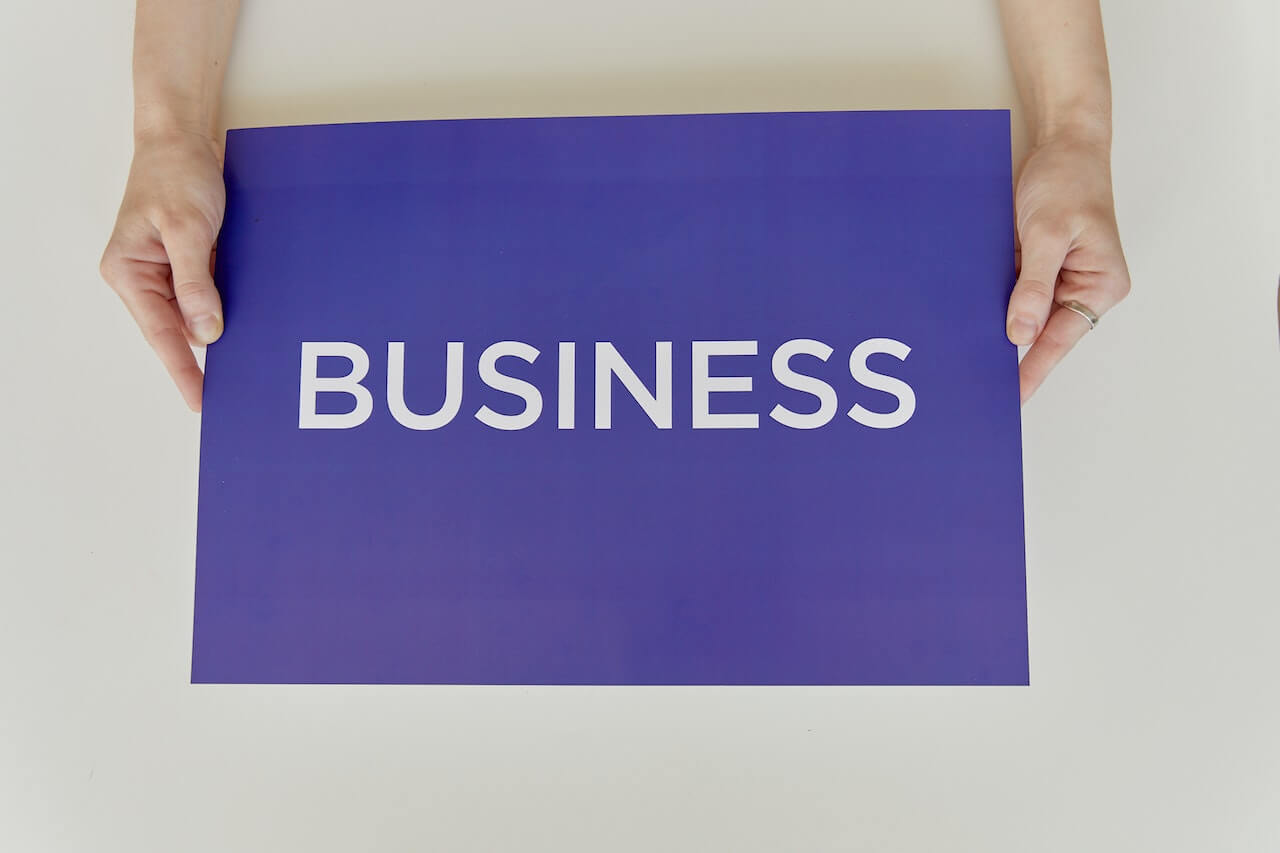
pixel 206 328
pixel 1022 331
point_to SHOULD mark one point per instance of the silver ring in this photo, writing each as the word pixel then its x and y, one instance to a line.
pixel 1086 313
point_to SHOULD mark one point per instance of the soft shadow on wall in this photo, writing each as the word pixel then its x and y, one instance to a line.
pixel 915 84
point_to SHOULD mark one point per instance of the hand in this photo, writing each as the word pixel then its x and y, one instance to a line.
pixel 1070 249
pixel 159 257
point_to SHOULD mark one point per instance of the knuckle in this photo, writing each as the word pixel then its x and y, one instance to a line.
pixel 189 289
pixel 106 267
pixel 157 334
pixel 1123 287
pixel 181 223
pixel 1047 231
pixel 1056 339
pixel 161 216
pixel 109 268
pixel 1035 289
pixel 1096 214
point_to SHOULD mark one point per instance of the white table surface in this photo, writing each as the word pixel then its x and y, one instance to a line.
pixel 1152 471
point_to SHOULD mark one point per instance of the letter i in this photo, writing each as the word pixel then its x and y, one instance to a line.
pixel 567 376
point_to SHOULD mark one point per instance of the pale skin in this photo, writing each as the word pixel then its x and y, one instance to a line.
pixel 158 259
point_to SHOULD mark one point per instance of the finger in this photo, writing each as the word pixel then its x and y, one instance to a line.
pixel 1043 253
pixel 189 248
pixel 162 326
pixel 1062 331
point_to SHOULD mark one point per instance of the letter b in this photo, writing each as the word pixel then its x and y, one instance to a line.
pixel 310 385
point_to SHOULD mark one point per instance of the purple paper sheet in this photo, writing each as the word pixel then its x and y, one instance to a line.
pixel 680 545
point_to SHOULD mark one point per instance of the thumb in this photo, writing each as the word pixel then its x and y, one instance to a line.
pixel 189 248
pixel 1042 257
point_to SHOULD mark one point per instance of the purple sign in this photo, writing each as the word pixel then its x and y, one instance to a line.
pixel 703 399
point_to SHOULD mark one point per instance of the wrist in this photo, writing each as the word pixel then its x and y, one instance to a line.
pixel 1084 120
pixel 167 120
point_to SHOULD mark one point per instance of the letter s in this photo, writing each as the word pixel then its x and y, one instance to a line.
pixel 490 375
pixel 879 382
pixel 789 378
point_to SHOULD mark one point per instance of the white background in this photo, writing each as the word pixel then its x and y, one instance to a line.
pixel 1152 471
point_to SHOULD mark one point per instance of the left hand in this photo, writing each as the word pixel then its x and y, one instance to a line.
pixel 1070 250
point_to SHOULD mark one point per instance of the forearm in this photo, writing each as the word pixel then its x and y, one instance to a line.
pixel 180 50
pixel 1059 61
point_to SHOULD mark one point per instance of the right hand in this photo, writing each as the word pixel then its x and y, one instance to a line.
pixel 160 254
